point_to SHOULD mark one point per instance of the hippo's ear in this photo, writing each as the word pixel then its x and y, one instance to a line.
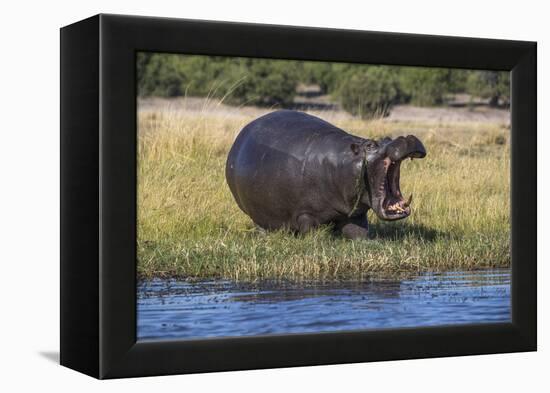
pixel 355 148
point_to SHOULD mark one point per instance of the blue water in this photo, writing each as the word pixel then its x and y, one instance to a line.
pixel 169 309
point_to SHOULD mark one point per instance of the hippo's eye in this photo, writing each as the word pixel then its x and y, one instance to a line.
pixel 371 145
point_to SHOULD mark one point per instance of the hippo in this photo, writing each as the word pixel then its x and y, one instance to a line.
pixel 291 170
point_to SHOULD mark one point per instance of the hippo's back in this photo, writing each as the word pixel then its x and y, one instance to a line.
pixel 277 166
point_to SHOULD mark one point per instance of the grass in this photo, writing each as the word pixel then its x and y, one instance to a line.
pixel 190 226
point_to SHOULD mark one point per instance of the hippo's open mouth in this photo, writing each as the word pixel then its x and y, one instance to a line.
pixel 387 201
pixel 393 205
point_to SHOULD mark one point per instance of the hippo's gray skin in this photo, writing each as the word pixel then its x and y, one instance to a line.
pixel 291 170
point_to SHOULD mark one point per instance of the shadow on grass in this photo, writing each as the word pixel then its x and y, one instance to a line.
pixel 387 231
pixel 400 231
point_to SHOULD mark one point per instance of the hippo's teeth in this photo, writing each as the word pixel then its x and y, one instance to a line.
pixel 395 207
pixel 408 201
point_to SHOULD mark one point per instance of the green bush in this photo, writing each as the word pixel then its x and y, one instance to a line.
pixel 425 86
pixel 240 81
pixel 368 91
pixel 494 85
pixel 363 90
pixel 324 75
pixel 160 75
pixel 264 82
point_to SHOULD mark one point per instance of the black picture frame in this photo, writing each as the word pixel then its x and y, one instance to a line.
pixel 98 195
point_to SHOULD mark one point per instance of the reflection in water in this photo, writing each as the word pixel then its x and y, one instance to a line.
pixel 169 309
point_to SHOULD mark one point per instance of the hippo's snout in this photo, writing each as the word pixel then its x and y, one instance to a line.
pixel 405 147
pixel 416 148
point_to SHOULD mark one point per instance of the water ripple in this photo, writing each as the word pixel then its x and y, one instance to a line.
pixel 169 309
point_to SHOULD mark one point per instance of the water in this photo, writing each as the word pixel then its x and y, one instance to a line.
pixel 169 309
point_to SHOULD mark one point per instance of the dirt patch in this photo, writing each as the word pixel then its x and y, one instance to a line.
pixel 482 114
pixel 329 112
pixel 212 108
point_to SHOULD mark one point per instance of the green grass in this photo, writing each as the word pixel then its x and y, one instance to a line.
pixel 190 226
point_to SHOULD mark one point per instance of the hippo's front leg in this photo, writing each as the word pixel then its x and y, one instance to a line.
pixel 355 228
pixel 306 222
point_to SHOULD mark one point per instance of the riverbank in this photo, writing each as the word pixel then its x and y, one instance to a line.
pixel 190 226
